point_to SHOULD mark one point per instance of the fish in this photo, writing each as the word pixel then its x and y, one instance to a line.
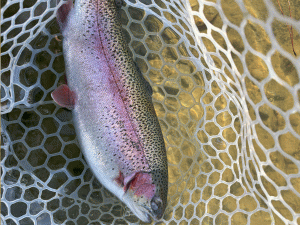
pixel 111 102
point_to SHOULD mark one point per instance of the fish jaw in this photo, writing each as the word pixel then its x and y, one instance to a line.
pixel 141 196
pixel 145 209
pixel 139 205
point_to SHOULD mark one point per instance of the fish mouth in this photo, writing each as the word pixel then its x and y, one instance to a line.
pixel 147 216
pixel 142 213
pixel 149 219
pixel 150 214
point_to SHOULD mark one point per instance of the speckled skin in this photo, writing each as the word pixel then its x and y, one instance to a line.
pixel 113 115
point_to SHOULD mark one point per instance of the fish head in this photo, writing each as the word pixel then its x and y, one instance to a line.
pixel 145 198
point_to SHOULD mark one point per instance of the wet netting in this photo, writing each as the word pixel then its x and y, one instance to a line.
pixel 226 90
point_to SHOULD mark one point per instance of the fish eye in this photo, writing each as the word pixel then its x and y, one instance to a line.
pixel 156 203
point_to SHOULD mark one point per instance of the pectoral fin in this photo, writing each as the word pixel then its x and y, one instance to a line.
pixel 64 97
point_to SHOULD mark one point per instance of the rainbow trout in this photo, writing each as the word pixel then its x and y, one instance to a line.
pixel 112 108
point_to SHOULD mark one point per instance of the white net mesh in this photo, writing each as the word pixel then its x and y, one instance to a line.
pixel 225 88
